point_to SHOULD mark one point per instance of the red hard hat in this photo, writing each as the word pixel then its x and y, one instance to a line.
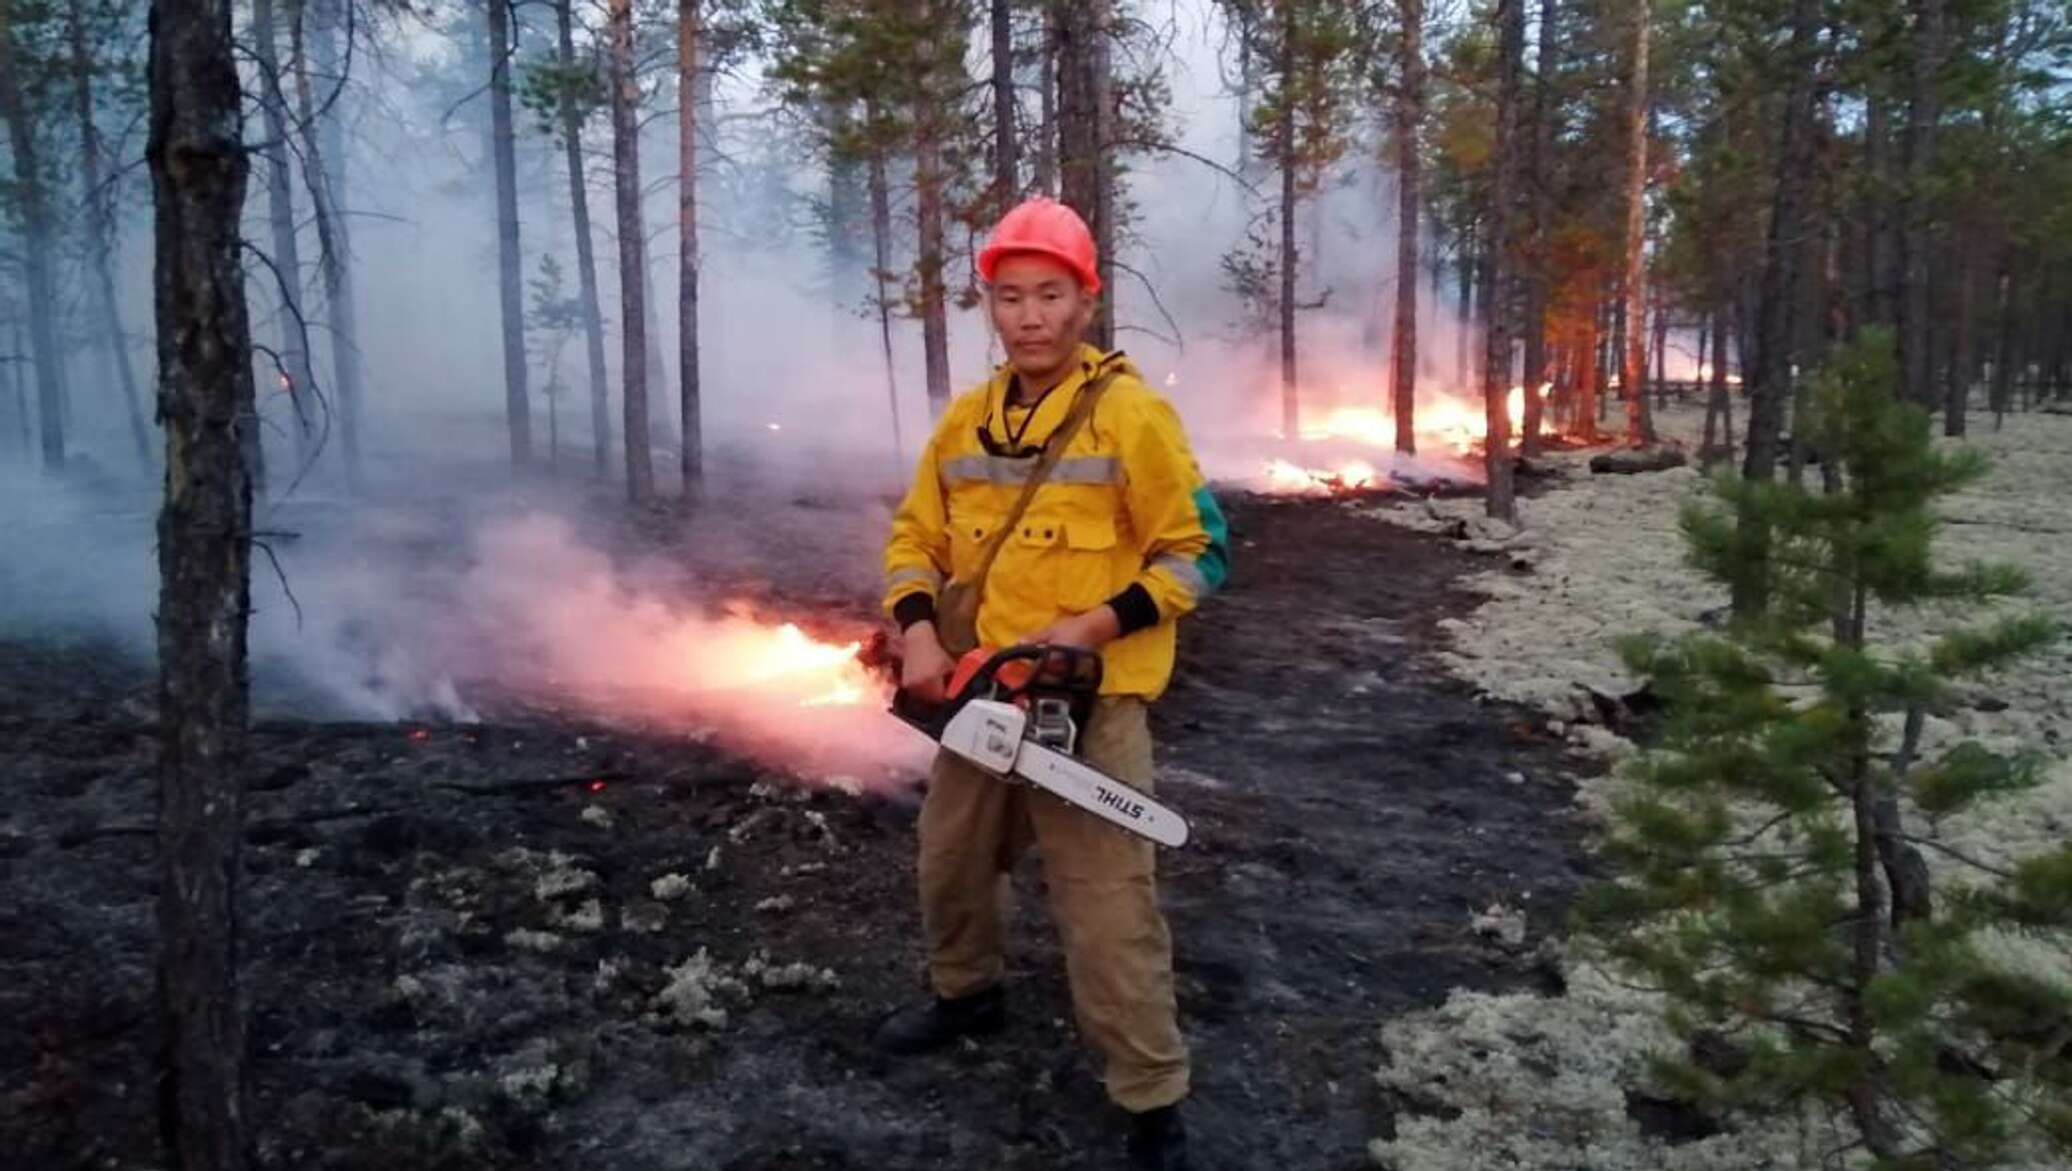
pixel 1045 227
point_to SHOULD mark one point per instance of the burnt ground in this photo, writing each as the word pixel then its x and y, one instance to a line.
pixel 453 950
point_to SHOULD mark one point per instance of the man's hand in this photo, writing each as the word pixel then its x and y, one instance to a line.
pixel 1089 631
pixel 924 667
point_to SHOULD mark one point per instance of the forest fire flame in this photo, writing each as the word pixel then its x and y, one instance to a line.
pixel 830 672
pixel 1352 476
pixel 1446 423
pixel 744 654
pixel 1456 423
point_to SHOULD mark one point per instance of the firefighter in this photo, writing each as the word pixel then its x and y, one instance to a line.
pixel 1120 541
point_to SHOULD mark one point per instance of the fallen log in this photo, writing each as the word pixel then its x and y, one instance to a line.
pixel 1629 461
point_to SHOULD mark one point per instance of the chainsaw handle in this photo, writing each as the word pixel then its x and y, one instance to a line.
pixel 983 674
pixel 1044 667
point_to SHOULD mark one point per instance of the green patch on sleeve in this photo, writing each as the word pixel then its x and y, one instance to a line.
pixel 1214 562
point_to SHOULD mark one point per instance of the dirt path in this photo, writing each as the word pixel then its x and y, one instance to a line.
pixel 432 986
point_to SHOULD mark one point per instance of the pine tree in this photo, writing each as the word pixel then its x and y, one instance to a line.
pixel 1773 892
pixel 903 63
pixel 1306 58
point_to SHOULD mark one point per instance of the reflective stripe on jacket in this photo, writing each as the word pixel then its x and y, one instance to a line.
pixel 1125 505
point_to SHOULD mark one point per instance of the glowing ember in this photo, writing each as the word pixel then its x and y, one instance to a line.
pixel 1354 476
pixel 1358 474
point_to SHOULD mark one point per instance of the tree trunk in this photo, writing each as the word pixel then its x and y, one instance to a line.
pixel 287 257
pixel 334 250
pixel 1007 155
pixel 1409 194
pixel 1640 428
pixel 1868 938
pixel 1497 287
pixel 1105 219
pixel 1835 299
pixel 1795 459
pixel 1046 177
pixel 690 453
pixel 510 261
pixel 640 468
pixel 15 385
pixel 1924 110
pixel 1614 348
pixel 1709 444
pixel 1868 928
pixel 1961 358
pixel 1584 421
pixel 1719 378
pixel 1463 366
pixel 1659 348
pixel 1877 250
pixel 1085 177
pixel 1769 378
pixel 586 255
pixel 198 166
pixel 661 399
pixel 928 201
pixel 1284 152
pixel 881 244
pixel 1247 80
pixel 2003 353
pixel 346 311
pixel 1539 152
pixel 99 221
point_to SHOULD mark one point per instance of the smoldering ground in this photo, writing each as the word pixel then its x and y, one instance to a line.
pixel 554 936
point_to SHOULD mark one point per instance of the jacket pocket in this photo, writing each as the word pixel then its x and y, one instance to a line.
pixel 1054 565
pixel 1090 559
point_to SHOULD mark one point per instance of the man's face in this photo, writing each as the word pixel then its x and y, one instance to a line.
pixel 1040 311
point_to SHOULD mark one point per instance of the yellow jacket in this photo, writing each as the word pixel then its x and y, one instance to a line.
pixel 1124 518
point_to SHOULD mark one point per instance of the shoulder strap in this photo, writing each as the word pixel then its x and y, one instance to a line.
pixel 1053 450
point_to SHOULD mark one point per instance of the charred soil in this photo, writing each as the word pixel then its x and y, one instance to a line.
pixel 540 942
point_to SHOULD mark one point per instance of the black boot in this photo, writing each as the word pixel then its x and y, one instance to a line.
pixel 1158 1142
pixel 928 1027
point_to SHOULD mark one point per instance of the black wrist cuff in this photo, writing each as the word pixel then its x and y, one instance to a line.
pixel 911 609
pixel 1134 609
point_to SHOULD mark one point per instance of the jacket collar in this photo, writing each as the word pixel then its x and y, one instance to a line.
pixel 1055 406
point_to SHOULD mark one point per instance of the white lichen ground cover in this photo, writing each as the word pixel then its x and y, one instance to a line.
pixel 1541 1082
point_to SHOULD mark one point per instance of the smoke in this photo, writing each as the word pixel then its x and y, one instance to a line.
pixel 617 642
pixel 447 613
pixel 442 608
pixel 75 564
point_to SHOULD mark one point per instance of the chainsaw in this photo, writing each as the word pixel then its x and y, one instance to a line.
pixel 1016 714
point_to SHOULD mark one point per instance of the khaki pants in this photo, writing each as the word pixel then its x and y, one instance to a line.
pixel 1118 954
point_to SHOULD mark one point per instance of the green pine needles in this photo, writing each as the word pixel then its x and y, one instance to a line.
pixel 1773 889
